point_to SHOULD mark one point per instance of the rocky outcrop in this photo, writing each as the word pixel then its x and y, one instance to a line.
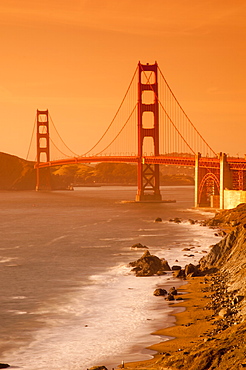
pixel 149 265
pixel 228 257
pixel 229 218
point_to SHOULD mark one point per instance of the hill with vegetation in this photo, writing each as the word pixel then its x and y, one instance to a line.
pixel 16 173
pixel 19 174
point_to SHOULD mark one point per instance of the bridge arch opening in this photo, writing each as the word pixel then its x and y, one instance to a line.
pixel 209 187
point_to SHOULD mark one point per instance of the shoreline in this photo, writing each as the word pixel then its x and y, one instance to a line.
pixel 210 333
pixel 188 327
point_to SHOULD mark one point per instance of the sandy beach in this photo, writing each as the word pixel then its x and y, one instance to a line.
pixel 210 332
pixel 190 325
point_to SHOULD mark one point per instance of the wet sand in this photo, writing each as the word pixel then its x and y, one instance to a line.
pixel 190 325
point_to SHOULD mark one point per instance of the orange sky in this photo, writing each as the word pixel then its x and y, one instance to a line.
pixel 77 57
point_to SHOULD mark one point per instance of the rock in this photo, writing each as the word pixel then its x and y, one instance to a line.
pixel 191 270
pixel 170 297
pixel 224 312
pixel 160 292
pixel 138 246
pixel 173 291
pixel 158 219
pixel 179 274
pixel 4 366
pixel 175 267
pixel 176 220
pixel 192 222
pixel 147 265
pixel 98 368
pixel 238 299
pixel 164 265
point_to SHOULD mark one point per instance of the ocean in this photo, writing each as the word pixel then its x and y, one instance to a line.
pixel 68 297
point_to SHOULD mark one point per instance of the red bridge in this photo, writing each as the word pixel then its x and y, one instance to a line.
pixel 150 128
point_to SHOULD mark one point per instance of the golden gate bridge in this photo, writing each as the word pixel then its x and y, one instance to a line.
pixel 150 128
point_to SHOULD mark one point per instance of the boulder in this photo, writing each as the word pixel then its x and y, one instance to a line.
pixel 158 219
pixel 138 246
pixel 98 368
pixel 175 267
pixel 192 222
pixel 173 291
pixel 164 265
pixel 179 274
pixel 160 292
pixel 147 265
pixel 170 297
pixel 176 220
pixel 191 270
pixel 4 366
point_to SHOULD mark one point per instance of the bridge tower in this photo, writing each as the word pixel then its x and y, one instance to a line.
pixel 43 180
pixel 148 174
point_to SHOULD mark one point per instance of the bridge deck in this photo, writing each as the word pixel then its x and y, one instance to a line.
pixel 204 162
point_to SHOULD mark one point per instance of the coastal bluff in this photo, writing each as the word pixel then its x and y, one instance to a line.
pixel 211 332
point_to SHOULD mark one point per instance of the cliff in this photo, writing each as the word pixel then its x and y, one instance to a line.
pixel 222 346
pixel 229 255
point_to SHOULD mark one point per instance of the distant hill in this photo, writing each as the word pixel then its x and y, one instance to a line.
pixel 18 174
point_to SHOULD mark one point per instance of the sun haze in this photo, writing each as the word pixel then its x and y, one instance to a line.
pixel 76 58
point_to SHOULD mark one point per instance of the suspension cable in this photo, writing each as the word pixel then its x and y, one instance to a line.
pixel 169 116
pixel 29 148
pixel 122 128
pixel 68 156
pixel 185 113
pixel 114 115
pixel 61 140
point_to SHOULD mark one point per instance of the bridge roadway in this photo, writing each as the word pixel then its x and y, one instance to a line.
pixel 204 162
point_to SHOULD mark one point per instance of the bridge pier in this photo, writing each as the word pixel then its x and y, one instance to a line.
pixel 211 182
pixel 148 183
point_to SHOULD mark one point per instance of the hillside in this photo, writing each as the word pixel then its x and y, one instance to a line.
pixel 19 174
pixel 16 173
